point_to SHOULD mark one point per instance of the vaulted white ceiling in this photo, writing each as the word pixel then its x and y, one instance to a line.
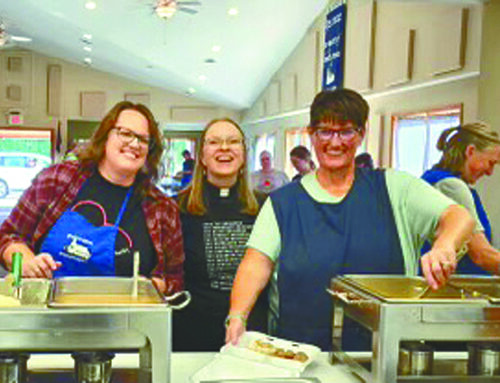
pixel 130 40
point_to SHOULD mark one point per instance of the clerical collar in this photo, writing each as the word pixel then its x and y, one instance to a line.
pixel 224 192
pixel 221 192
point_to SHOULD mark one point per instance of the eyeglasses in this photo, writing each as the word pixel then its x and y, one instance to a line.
pixel 127 137
pixel 231 142
pixel 345 135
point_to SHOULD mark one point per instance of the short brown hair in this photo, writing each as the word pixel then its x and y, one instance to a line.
pixel 93 152
pixel 340 105
pixel 191 199
pixel 479 134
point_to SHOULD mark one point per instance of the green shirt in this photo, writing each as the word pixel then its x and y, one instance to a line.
pixel 417 208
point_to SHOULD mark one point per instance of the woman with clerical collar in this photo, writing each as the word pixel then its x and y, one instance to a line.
pixel 218 210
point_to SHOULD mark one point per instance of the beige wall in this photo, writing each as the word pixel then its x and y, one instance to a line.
pixel 489 107
pixel 439 74
pixel 169 108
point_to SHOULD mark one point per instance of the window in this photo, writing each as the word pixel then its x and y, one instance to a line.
pixel 414 138
pixel 293 138
pixel 263 142
pixel 23 154
pixel 172 161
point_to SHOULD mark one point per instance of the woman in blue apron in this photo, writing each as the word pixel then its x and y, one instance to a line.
pixel 340 220
pixel 470 152
pixel 88 217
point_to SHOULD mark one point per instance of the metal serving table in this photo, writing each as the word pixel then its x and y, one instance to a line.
pixel 398 308
pixel 37 327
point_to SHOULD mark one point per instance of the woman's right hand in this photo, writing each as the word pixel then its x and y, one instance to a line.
pixel 234 330
pixel 41 266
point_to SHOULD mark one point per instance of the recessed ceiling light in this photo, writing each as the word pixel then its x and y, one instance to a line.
pixel 87 48
pixel 191 91
pixel 87 60
pixel 90 5
pixel 232 11
pixel 202 78
pixel 216 48
pixel 21 39
pixel 87 36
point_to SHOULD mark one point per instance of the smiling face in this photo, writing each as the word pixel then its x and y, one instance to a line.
pixel 124 153
pixel 223 153
pixel 479 163
pixel 336 153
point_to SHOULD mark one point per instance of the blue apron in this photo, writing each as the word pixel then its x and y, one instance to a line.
pixel 322 240
pixel 82 248
pixel 465 266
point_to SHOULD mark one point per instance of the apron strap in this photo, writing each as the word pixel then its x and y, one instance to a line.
pixel 124 206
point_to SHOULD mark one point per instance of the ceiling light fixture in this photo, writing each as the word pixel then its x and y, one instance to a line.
pixel 90 5
pixel 165 9
pixel 87 48
pixel 202 78
pixel 87 60
pixel 87 36
pixel 190 91
pixel 216 48
pixel 232 11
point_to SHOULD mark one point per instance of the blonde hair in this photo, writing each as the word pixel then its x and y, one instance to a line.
pixel 479 134
pixel 191 199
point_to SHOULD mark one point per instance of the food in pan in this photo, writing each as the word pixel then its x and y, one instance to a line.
pixel 8 301
pixel 267 348
pixel 101 299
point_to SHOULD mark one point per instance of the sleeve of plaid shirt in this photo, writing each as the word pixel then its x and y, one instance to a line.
pixel 164 224
pixel 31 217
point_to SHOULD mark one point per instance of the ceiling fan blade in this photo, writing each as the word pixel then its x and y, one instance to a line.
pixel 21 39
pixel 187 10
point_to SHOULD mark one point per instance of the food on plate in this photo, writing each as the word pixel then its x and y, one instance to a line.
pixel 267 348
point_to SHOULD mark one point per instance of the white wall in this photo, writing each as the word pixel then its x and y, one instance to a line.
pixel 380 71
pixel 170 109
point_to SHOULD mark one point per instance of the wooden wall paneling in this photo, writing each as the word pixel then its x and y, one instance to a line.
pixel 450 45
pixel 359 46
pixel 373 30
pixel 54 90
pixel 92 104
pixel 14 93
pixel 400 64
pixel 15 64
pixel 274 98
pixel 289 93
pixel 139 98
pixel 195 114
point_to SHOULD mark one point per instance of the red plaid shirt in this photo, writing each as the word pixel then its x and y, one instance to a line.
pixel 52 193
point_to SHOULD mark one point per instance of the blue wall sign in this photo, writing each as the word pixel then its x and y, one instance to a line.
pixel 333 62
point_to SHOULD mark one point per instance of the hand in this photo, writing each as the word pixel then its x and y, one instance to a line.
pixel 40 266
pixel 438 265
pixel 234 330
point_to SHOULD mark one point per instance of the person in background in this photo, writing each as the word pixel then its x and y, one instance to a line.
pixel 470 152
pixel 301 160
pixel 218 210
pixel 87 217
pixel 364 160
pixel 187 168
pixel 267 178
pixel 341 220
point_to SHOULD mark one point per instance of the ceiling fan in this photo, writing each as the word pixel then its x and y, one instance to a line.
pixel 165 9
pixel 7 40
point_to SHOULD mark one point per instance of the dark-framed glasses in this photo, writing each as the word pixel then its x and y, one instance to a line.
pixel 217 142
pixel 127 137
pixel 345 135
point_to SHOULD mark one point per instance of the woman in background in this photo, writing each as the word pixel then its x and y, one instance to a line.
pixel 470 152
pixel 218 210
pixel 301 160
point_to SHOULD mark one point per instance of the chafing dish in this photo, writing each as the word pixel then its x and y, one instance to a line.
pixel 50 325
pixel 400 309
